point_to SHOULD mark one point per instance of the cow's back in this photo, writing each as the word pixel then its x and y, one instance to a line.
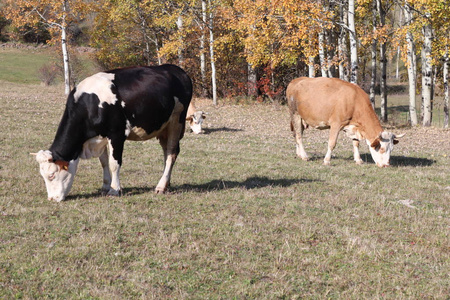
pixel 321 100
pixel 149 94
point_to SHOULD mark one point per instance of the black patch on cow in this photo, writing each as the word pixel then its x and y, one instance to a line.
pixel 148 94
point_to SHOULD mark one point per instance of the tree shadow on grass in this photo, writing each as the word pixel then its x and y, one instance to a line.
pixel 402 161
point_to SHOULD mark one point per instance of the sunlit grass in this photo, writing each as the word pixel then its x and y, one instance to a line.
pixel 244 218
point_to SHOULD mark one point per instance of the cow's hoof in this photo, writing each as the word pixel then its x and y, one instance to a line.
pixel 304 158
pixel 359 162
pixel 326 163
pixel 160 191
pixel 113 193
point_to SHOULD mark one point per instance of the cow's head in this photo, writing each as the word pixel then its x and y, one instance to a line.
pixel 195 121
pixel 382 146
pixel 58 175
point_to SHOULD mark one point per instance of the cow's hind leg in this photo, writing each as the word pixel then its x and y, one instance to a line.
pixel 106 174
pixel 170 143
pixel 298 127
pixel 334 133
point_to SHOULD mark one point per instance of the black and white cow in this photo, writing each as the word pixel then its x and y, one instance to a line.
pixel 106 109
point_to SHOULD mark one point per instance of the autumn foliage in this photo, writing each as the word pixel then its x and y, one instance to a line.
pixel 286 38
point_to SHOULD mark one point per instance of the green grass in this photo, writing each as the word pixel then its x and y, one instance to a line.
pixel 16 64
pixel 244 218
pixel 21 65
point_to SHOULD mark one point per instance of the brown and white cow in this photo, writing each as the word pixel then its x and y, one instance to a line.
pixel 108 108
pixel 331 103
pixel 195 118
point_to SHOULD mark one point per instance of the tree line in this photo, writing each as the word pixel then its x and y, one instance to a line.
pixel 255 48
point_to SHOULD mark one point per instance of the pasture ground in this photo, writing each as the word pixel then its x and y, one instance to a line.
pixel 244 218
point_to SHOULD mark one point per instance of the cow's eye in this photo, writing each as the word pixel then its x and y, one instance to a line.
pixel 51 176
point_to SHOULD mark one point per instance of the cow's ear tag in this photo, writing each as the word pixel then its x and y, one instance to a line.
pixel 64 165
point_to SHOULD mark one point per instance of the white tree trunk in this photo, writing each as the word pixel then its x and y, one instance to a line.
pixel 427 75
pixel 446 88
pixel 180 47
pixel 343 49
pixel 397 72
pixel 383 84
pixel 211 54
pixel 251 81
pixel 383 67
pixel 373 80
pixel 65 52
pixel 157 50
pixel 311 68
pixel 353 43
pixel 322 58
pixel 202 50
pixel 412 67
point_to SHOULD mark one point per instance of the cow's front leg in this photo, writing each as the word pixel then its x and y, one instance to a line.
pixel 356 155
pixel 106 174
pixel 115 150
pixel 170 143
pixel 334 133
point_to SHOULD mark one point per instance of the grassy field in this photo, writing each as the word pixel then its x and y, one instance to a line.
pixel 244 219
pixel 21 65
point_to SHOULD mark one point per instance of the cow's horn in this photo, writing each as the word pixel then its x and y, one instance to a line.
pixel 33 154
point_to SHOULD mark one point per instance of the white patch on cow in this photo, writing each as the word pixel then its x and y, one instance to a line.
pixel 381 154
pixel 94 147
pixel 128 129
pixel 122 103
pixel 58 181
pixel 322 125
pixel 99 84
pixel 353 132
pixel 114 169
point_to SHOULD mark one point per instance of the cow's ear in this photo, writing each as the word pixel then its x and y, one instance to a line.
pixel 43 156
pixel 375 144
pixel 396 137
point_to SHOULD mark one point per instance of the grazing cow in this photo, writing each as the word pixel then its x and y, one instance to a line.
pixel 108 108
pixel 331 103
pixel 195 118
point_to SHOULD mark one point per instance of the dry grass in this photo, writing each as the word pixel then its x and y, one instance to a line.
pixel 244 218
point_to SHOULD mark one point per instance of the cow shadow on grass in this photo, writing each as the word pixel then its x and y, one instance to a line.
pixel 401 161
pixel 254 182
pixel 220 129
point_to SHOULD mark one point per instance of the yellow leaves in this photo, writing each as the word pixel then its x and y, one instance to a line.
pixel 274 31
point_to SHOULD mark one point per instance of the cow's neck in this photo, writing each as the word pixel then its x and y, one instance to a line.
pixel 367 121
pixel 69 139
